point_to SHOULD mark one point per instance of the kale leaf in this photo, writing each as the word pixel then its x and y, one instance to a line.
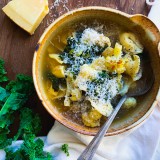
pixel 13 103
pixel 55 81
pixel 23 84
pixel 4 140
pixel 17 92
pixel 3 95
pixel 31 148
pixel 12 100
pixel 3 77
pixel 29 123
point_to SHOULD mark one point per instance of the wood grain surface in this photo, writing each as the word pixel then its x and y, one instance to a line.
pixel 17 47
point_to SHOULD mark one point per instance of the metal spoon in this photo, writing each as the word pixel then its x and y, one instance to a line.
pixel 142 87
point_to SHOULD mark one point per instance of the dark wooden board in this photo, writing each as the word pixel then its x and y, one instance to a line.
pixel 17 47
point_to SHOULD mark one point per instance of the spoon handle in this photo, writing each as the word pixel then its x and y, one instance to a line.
pixel 90 150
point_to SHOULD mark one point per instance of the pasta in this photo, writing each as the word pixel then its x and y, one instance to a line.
pixel 132 65
pixel 131 43
pixel 58 71
pixel 56 57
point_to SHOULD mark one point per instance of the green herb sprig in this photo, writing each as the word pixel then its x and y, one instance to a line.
pixel 65 149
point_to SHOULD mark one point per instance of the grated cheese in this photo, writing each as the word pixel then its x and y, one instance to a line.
pixel 54 7
pixel 99 101
pixel 109 87
pixel 91 37
pixel 86 74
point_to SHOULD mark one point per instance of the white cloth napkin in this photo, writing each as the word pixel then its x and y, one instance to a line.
pixel 137 144
pixel 141 143
pixel 154 13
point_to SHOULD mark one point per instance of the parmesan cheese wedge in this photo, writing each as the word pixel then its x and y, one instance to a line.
pixel 27 14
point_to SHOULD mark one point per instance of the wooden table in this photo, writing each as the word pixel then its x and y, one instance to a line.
pixel 17 47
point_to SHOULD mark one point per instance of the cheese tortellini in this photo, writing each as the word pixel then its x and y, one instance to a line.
pixel 131 43
pixel 56 57
pixel 132 65
pixel 56 94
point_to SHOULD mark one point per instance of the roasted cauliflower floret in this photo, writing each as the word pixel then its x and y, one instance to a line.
pixel 130 103
pixel 117 51
pixel 131 43
pixel 113 66
pixel 91 118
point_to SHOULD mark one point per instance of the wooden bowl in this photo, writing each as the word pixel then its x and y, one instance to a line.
pixel 150 37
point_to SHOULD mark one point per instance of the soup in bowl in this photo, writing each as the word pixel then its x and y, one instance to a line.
pixel 87 59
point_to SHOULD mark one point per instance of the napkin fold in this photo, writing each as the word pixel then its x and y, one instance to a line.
pixel 140 143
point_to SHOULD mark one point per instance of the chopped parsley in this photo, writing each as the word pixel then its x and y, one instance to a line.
pixel 64 148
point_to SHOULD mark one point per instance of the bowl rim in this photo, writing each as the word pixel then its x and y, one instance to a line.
pixel 35 76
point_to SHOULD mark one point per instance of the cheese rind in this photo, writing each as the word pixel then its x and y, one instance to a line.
pixel 27 14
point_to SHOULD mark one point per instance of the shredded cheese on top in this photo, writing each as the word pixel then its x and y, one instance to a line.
pixel 91 37
pixel 99 93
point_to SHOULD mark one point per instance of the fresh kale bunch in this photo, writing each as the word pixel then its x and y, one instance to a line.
pixel 12 98
pixel 12 102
